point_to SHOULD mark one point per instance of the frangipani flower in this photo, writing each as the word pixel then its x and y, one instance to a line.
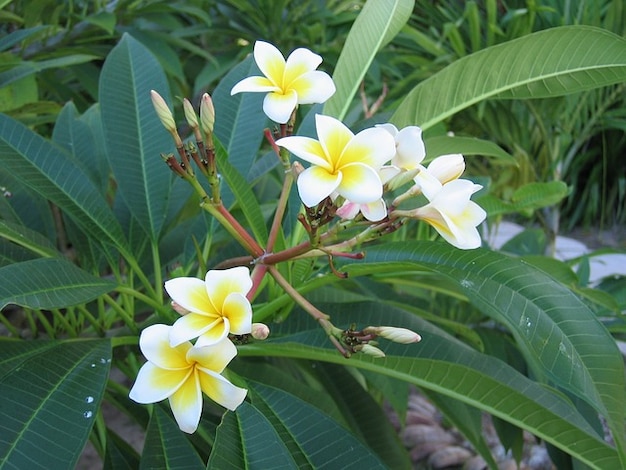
pixel 182 373
pixel 453 214
pixel 440 171
pixel 217 306
pixel 341 161
pixel 287 83
pixel 410 150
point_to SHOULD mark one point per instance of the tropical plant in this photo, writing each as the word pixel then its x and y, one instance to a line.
pixel 96 222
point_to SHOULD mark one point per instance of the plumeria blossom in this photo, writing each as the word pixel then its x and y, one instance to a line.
pixel 410 149
pixel 341 162
pixel 372 211
pixel 216 306
pixel 287 83
pixel 182 373
pixel 440 171
pixel 453 214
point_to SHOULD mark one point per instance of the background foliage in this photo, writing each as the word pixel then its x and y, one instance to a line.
pixel 95 222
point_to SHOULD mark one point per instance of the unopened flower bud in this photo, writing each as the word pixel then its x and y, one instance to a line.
pixel 397 335
pixel 260 331
pixel 370 350
pixel 401 178
pixel 447 167
pixel 207 114
pixel 179 308
pixel 190 114
pixel 163 111
pixel 297 168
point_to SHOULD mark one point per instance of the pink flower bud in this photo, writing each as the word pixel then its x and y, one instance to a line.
pixel 163 111
pixel 179 309
pixel 260 331
pixel 398 335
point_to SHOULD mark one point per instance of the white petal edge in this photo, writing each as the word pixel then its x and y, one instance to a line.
pixel 314 87
pixel 186 404
pixel 253 84
pixel 154 384
pixel 190 294
pixel 155 346
pixel 191 326
pixel 220 390
pixel 270 60
pixel 305 148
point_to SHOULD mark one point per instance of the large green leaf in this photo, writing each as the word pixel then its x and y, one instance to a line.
pixel 47 283
pixel 166 446
pixel 557 332
pixel 248 440
pixel 548 63
pixel 246 200
pixel 51 392
pixel 445 145
pixel 134 135
pixel 29 68
pixel 27 238
pixel 376 25
pixel 50 172
pixel 239 119
pixel 449 367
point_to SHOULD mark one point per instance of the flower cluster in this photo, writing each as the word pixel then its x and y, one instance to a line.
pixel 355 170
pixel 180 371
pixel 356 177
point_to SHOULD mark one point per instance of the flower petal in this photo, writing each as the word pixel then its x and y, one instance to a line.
pixel 155 346
pixel 214 357
pixel 427 183
pixel 270 61
pixel 191 326
pixel 154 384
pixel 360 183
pixel 254 84
pixel 349 210
pixel 220 390
pixel 238 310
pixel 372 146
pixel 374 211
pixel 447 167
pixel 316 183
pixel 410 150
pixel 333 136
pixel 299 62
pixel 186 404
pixel 307 149
pixel 214 335
pixel 220 283
pixel 393 130
pixel 313 87
pixel 278 106
pixel 190 293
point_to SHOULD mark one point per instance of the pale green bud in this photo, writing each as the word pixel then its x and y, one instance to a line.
pixel 207 114
pixel 163 111
pixel 190 114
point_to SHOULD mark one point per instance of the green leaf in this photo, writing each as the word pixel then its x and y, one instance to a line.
pixel 246 439
pixel 376 25
pixel 50 172
pixel 533 196
pixel 324 443
pixel 51 392
pixel 166 446
pixel 134 135
pixel 47 283
pixel 445 145
pixel 544 64
pixel 28 68
pixel 246 200
pixel 556 331
pixel 27 238
pixel 443 364
pixel 240 119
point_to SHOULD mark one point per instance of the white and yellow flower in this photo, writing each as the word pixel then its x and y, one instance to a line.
pixel 182 373
pixel 216 306
pixel 453 214
pixel 287 83
pixel 440 171
pixel 410 149
pixel 341 162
